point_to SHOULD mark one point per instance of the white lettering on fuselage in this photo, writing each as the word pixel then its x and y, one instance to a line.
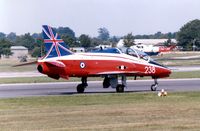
pixel 150 69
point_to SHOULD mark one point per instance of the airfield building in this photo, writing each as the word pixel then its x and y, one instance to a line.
pixel 18 51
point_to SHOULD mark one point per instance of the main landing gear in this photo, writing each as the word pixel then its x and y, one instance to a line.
pixel 155 85
pixel 120 88
pixel 81 87
pixel 106 82
pixel 112 81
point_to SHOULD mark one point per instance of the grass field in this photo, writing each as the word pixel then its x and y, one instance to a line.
pixel 6 66
pixel 128 111
pixel 180 62
pixel 188 74
pixel 178 54
pixel 42 79
pixel 163 59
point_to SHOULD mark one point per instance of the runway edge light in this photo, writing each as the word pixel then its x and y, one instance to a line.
pixel 162 93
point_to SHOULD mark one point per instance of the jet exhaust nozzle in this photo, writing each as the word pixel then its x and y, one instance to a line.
pixel 40 68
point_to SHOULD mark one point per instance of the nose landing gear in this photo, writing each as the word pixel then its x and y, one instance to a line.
pixel 155 85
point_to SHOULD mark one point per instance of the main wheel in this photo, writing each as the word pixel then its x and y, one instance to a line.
pixel 106 83
pixel 120 88
pixel 80 88
pixel 154 87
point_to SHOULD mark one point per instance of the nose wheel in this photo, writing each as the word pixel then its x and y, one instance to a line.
pixel 155 85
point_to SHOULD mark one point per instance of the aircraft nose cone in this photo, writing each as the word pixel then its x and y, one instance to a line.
pixel 167 72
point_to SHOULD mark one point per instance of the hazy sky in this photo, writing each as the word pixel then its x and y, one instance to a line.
pixel 86 16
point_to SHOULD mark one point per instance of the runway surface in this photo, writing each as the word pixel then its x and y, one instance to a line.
pixel 69 88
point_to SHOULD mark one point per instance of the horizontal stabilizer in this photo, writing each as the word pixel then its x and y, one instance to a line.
pixel 26 63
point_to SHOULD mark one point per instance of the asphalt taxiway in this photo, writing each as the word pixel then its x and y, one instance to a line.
pixel 69 88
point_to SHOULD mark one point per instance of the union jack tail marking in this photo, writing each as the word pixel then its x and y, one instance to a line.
pixel 54 45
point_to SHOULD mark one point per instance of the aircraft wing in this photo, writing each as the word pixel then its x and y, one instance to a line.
pixel 117 72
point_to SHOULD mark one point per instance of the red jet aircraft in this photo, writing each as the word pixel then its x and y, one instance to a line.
pixel 60 62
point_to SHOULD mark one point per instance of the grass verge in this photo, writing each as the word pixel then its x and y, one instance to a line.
pixel 128 111
pixel 42 79
pixel 179 62
pixel 187 74
pixel 6 66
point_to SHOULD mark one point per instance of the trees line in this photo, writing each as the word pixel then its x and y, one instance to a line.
pixel 188 37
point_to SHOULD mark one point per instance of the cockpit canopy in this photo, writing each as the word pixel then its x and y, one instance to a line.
pixel 106 50
pixel 133 52
pixel 139 54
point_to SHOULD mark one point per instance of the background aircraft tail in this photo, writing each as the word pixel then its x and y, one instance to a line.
pixel 54 45
pixel 166 49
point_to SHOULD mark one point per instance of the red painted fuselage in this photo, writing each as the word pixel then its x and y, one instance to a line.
pixel 97 64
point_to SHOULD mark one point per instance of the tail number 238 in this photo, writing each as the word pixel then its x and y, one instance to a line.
pixel 150 69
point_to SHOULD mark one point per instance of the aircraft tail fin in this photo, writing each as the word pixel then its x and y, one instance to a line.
pixel 172 47
pixel 54 45
pixel 166 49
